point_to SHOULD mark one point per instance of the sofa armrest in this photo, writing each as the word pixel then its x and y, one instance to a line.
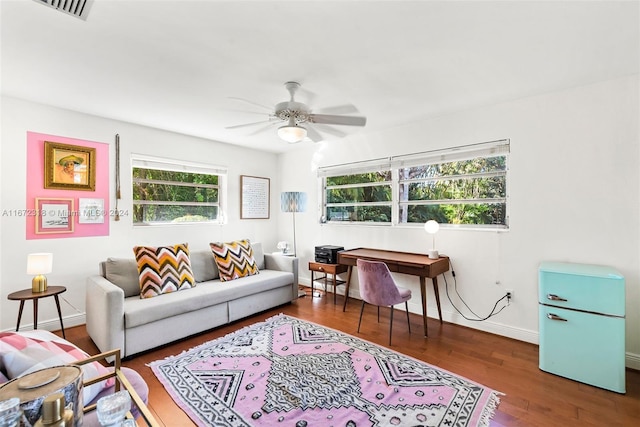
pixel 284 263
pixel 105 314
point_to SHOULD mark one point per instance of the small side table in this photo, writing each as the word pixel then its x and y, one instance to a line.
pixel 27 294
pixel 332 269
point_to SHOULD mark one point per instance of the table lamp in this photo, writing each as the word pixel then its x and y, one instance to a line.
pixel 432 228
pixel 39 264
pixel 293 201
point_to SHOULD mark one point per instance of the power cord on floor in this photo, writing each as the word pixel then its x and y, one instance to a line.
pixel 71 305
pixel 455 286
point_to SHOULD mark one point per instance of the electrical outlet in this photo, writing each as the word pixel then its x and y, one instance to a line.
pixel 509 293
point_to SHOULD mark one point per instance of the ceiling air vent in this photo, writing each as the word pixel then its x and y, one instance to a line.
pixel 77 8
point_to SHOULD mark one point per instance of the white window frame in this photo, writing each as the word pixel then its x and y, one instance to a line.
pixel 159 163
pixel 395 163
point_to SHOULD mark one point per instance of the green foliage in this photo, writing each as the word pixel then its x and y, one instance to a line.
pixel 362 178
pixel 360 194
pixel 360 213
pixel 169 191
pixel 467 180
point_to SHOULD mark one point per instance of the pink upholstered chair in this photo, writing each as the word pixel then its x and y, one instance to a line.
pixel 377 287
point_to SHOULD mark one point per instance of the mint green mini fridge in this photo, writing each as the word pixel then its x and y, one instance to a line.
pixel 582 323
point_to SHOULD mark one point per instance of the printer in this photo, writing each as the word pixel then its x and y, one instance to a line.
pixel 328 254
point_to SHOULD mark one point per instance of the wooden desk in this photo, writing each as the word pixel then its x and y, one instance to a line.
pixel 400 262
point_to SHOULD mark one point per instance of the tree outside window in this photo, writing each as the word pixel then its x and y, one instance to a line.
pixel 163 196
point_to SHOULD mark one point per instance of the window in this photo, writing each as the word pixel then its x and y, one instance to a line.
pixel 362 197
pixel 174 192
pixel 463 186
pixel 358 192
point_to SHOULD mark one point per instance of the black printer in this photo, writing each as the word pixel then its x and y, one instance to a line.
pixel 328 254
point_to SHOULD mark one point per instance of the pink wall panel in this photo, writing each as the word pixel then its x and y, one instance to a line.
pixel 35 186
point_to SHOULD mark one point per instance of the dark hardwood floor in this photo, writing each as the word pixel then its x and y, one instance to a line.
pixel 532 397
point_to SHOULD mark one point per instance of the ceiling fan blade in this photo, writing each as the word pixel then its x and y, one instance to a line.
pixel 252 103
pixel 339 109
pixel 261 129
pixel 329 119
pixel 255 113
pixel 313 135
pixel 330 130
pixel 247 124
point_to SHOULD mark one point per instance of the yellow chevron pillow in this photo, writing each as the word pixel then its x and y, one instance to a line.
pixel 163 269
pixel 234 259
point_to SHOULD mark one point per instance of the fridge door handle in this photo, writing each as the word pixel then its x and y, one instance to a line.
pixel 553 297
pixel 555 317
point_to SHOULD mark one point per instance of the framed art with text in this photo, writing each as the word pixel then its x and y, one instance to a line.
pixel 90 211
pixel 254 197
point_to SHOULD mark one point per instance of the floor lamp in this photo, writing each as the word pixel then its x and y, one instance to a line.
pixel 293 201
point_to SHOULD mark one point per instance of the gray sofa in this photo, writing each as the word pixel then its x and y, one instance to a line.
pixel 118 318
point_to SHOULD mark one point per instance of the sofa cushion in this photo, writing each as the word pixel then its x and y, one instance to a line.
pixel 124 274
pixel 234 259
pixel 29 351
pixel 203 265
pixel 138 311
pixel 163 269
pixel 258 255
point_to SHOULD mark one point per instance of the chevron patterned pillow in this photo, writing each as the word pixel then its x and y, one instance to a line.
pixel 163 269
pixel 234 259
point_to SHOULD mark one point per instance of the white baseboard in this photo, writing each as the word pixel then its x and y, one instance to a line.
pixel 54 324
pixel 632 361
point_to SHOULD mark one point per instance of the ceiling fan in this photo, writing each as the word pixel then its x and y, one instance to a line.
pixel 299 121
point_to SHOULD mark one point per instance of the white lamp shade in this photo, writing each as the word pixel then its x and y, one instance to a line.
pixel 292 134
pixel 431 226
pixel 41 263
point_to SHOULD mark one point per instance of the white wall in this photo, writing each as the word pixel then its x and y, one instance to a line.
pixel 573 196
pixel 77 258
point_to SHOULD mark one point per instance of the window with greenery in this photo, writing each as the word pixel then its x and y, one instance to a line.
pixel 462 186
pixel 364 197
pixel 172 192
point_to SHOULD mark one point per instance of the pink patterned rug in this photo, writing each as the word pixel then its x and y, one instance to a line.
pixel 288 372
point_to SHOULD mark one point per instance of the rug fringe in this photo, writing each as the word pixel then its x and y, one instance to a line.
pixel 490 408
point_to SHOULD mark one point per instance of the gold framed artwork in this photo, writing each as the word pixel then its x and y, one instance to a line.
pixel 69 167
pixel 54 215
pixel 254 198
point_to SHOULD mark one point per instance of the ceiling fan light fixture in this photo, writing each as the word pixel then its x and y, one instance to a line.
pixel 292 133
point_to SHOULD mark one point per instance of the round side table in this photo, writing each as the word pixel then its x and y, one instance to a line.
pixel 28 294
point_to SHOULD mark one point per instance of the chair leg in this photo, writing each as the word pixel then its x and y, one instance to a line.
pixel 406 306
pixel 390 325
pixel 378 314
pixel 361 311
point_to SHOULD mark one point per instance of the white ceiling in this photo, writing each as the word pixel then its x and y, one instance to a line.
pixel 175 64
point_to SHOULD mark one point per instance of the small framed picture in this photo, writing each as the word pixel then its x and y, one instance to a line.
pixel 69 167
pixel 54 215
pixel 90 211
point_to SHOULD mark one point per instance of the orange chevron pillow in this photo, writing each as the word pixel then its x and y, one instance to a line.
pixel 163 269
pixel 234 259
